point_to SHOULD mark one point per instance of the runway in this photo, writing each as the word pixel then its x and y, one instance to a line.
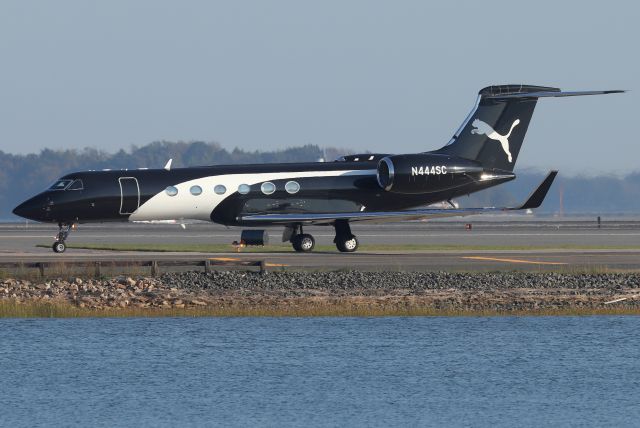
pixel 507 260
pixel 505 245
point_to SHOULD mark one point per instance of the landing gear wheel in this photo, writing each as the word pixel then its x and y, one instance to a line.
pixel 303 243
pixel 348 244
pixel 59 245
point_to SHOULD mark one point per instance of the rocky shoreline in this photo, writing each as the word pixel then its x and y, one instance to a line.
pixel 378 292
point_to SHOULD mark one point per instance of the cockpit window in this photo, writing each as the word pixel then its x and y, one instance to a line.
pixel 76 185
pixel 60 185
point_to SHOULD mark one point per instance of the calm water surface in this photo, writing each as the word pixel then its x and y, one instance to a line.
pixel 507 371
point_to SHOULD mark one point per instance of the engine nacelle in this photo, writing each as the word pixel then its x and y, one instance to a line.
pixel 425 173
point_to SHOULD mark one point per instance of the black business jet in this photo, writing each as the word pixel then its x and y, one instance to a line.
pixel 366 187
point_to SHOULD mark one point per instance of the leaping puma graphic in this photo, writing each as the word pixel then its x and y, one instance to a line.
pixel 481 127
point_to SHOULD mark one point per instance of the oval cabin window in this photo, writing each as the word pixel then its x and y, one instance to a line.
pixel 195 190
pixel 220 189
pixel 292 187
pixel 268 188
pixel 171 190
pixel 243 189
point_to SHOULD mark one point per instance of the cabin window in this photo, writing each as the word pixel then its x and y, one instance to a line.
pixel 220 189
pixel 292 187
pixel 60 185
pixel 243 189
pixel 268 188
pixel 76 185
pixel 171 190
pixel 195 190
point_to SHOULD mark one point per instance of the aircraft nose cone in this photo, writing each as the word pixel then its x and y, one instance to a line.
pixel 21 210
pixel 29 209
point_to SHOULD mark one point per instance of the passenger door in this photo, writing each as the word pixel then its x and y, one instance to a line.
pixel 129 195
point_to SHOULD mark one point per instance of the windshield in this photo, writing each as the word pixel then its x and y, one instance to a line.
pixel 60 185
pixel 77 185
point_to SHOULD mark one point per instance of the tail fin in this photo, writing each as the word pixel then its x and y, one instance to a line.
pixel 493 132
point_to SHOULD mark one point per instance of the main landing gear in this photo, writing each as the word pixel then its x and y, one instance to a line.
pixel 345 241
pixel 301 242
pixel 63 232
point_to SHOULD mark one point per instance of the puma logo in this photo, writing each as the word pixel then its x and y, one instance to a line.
pixel 481 127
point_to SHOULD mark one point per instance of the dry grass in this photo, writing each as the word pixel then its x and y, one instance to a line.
pixel 12 309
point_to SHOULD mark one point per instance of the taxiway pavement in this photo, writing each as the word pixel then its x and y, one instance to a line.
pixel 541 245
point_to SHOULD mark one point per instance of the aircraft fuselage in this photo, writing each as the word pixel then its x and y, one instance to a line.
pixel 223 193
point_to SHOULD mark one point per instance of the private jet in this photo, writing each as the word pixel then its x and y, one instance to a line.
pixel 373 187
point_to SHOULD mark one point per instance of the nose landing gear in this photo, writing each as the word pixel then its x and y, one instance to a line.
pixel 59 246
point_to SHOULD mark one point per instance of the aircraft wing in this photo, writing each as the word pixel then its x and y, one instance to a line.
pixel 534 201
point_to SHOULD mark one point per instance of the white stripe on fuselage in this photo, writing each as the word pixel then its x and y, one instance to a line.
pixel 187 206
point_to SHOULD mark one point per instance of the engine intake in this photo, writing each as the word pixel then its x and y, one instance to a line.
pixel 386 173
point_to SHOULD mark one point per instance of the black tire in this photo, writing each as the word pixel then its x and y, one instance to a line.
pixel 347 244
pixel 303 243
pixel 59 247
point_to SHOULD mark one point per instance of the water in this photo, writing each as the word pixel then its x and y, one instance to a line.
pixel 501 371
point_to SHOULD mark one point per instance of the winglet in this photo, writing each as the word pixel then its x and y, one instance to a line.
pixel 168 165
pixel 538 195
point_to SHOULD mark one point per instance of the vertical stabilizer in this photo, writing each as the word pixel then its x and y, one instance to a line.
pixel 494 131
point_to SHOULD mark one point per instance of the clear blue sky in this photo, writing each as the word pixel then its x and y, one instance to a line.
pixel 377 75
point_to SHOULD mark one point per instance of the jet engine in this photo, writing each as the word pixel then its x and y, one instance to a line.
pixel 425 173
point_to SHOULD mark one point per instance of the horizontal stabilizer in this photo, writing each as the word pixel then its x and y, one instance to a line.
pixel 543 94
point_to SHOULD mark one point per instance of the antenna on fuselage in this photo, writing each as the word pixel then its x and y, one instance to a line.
pixel 168 165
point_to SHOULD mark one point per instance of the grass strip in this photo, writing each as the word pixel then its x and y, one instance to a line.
pixel 13 309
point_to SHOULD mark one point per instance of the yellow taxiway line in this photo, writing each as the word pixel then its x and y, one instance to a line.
pixel 528 262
